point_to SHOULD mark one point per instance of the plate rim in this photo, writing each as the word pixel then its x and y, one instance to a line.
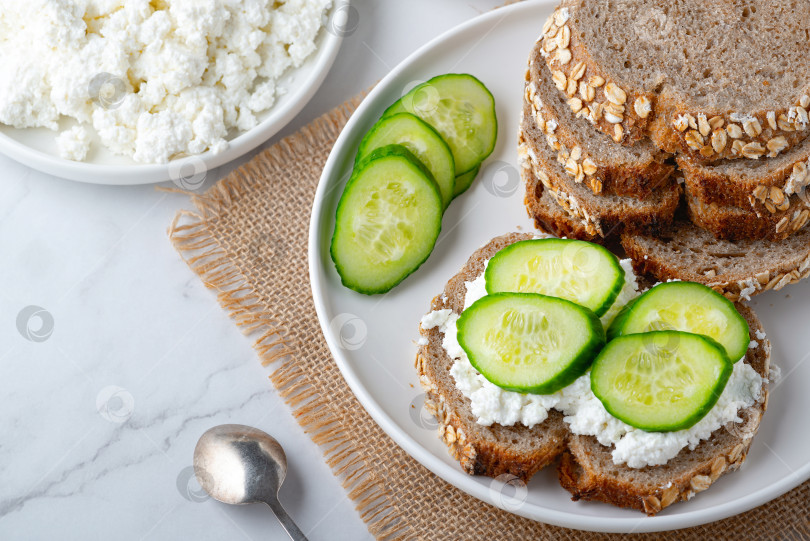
pixel 457 478
pixel 141 174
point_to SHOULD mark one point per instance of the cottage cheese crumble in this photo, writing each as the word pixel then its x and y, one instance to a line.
pixel 584 413
pixel 74 143
pixel 154 79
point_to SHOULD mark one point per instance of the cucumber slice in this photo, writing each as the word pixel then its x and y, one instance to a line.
pixel 529 343
pixel 660 381
pixel 688 307
pixel 388 220
pixel 461 109
pixel 422 140
pixel 465 180
pixel 574 270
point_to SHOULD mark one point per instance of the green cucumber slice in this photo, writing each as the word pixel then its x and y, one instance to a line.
pixel 461 109
pixel 422 140
pixel 574 270
pixel 465 180
pixel 688 307
pixel 660 381
pixel 388 220
pixel 529 343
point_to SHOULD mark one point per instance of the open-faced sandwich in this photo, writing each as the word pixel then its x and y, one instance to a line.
pixel 544 349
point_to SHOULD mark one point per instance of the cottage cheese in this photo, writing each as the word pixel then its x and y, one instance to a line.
pixel 584 413
pixel 155 80
pixel 490 403
pixel 74 143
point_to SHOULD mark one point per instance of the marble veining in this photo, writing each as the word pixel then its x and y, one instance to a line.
pixel 102 408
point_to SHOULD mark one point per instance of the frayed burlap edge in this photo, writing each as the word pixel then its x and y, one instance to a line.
pixel 206 257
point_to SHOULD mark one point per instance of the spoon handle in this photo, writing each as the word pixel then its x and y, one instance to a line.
pixel 287 523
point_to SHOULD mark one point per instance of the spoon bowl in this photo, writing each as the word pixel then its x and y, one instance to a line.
pixel 238 464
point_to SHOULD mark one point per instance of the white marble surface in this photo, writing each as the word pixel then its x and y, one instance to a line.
pixel 100 418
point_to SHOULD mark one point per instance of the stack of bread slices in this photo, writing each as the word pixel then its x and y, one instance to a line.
pixel 681 130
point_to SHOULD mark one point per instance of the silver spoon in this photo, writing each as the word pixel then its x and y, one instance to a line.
pixel 239 464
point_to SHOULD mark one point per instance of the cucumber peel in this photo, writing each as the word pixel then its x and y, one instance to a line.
pixel 422 140
pixel 578 271
pixel 688 307
pixel 465 180
pixel 660 381
pixel 387 221
pixel 529 343
pixel 462 109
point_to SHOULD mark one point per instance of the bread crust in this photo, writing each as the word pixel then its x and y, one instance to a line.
pixel 586 484
pixel 598 217
pixel 673 125
pixel 490 451
pixel 775 204
pixel 548 215
pixel 479 450
pixel 656 266
pixel 732 223
pixel 599 173
pixel 566 57
pixel 582 472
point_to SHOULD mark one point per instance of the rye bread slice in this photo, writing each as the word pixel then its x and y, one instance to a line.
pixel 733 223
pixel 713 80
pixel 738 269
pixel 588 472
pixel 548 215
pixel 773 191
pixel 481 450
pixel 601 214
pixel 589 157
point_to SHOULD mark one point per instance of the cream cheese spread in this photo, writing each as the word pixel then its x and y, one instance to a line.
pixel 584 413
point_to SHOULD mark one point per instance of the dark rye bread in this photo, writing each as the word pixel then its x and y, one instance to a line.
pixel 685 251
pixel 599 214
pixel 712 79
pixel 589 157
pixel 733 223
pixel 586 468
pixel 771 192
pixel 481 450
pixel 738 269
pixel 547 214
pixel 588 472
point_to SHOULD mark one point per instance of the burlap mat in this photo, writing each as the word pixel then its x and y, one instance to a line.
pixel 247 241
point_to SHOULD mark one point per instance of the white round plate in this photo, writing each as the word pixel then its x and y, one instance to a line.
pixel 36 147
pixel 373 338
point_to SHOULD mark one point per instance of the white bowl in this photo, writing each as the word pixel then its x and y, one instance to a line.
pixel 36 147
